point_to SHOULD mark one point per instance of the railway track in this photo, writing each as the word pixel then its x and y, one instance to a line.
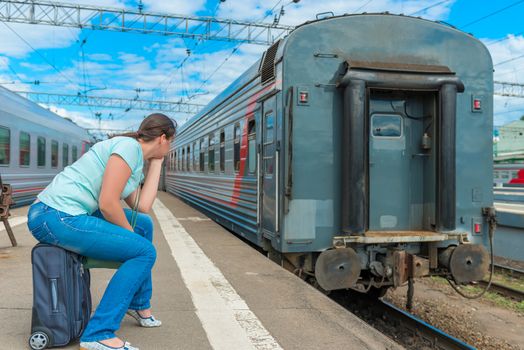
pixel 503 290
pixel 517 273
pixel 429 335
pixel 408 330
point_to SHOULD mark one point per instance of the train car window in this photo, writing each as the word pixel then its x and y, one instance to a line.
pixel 74 155
pixel 54 153
pixel 65 155
pixel 183 159
pixel 188 158
pixel 384 125
pixel 201 160
pixel 222 151
pixel 211 154
pixel 41 151
pixel 25 148
pixel 252 147
pixel 5 146
pixel 236 147
pixel 173 163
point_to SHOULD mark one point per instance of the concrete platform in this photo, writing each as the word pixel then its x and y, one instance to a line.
pixel 210 289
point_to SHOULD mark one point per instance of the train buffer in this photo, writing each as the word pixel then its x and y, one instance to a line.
pixel 210 289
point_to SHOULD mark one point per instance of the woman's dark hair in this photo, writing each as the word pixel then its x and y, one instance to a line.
pixel 152 126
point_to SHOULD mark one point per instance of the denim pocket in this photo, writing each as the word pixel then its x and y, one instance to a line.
pixel 43 234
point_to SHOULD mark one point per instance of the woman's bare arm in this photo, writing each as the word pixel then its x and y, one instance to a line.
pixel 150 188
pixel 116 174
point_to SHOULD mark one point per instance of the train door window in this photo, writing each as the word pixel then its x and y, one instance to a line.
pixel 65 155
pixel 211 154
pixel 268 140
pixel 54 153
pixel 74 154
pixel 236 147
pixel 5 145
pixel 41 151
pixel 252 146
pixel 384 125
pixel 173 165
pixel 201 160
pixel 183 159
pixel 188 158
pixel 25 148
pixel 194 154
pixel 222 151
pixel 180 160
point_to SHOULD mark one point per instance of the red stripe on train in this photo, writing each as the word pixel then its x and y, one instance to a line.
pixel 243 144
pixel 31 189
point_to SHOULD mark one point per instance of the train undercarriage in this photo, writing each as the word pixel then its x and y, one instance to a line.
pixel 380 260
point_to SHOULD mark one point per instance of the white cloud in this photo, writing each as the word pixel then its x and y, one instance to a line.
pixel 182 7
pixel 43 38
pixel 100 57
pixel 256 10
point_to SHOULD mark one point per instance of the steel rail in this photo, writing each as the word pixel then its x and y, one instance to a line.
pixel 436 337
pixel 504 290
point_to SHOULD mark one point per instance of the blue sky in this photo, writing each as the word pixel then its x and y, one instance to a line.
pixel 115 64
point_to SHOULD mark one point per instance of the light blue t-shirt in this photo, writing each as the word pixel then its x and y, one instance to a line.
pixel 76 189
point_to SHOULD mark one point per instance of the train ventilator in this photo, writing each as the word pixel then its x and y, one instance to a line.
pixel 357 151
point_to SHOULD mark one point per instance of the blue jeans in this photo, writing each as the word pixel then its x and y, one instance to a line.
pixel 93 236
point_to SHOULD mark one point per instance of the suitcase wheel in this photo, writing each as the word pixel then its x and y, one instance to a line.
pixel 40 339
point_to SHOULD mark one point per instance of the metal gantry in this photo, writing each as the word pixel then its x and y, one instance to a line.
pixel 111 102
pixel 502 88
pixel 125 20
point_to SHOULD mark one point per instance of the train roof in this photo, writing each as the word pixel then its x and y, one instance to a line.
pixel 254 71
pixel 23 108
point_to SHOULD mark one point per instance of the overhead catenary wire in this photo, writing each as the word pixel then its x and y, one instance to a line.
pixel 429 7
pixel 235 49
pixel 503 39
pixel 38 53
pixel 509 60
pixel 361 7
pixel 492 14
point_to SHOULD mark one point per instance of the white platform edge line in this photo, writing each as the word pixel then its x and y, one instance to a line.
pixel 225 316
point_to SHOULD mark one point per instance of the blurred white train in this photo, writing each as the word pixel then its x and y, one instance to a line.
pixel 35 145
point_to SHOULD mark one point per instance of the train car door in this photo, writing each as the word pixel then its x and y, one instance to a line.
pixel 268 173
pixel 396 183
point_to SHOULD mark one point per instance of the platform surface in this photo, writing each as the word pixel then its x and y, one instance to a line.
pixel 210 289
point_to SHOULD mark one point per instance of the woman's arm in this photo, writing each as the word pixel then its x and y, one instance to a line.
pixel 116 174
pixel 150 188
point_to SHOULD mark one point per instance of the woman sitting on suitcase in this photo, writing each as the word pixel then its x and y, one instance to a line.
pixel 82 213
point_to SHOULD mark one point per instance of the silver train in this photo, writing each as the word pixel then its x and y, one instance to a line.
pixel 35 145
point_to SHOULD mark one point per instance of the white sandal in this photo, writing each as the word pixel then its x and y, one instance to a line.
pixel 147 322
pixel 96 345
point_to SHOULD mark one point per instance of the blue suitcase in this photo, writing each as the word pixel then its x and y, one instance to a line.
pixel 61 297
